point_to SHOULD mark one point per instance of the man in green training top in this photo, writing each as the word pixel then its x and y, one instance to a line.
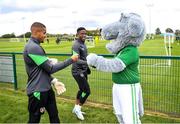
pixel 39 69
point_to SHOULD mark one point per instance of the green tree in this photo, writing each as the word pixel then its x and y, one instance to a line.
pixel 93 32
pixel 177 32
pixel 28 34
pixel 169 30
pixel 12 35
pixel 158 31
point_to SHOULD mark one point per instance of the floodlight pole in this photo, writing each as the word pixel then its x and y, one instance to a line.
pixel 23 18
pixel 150 5
pixel 75 23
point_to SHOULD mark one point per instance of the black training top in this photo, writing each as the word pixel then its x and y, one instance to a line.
pixel 81 65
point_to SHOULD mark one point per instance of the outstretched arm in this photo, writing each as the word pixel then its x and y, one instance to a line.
pixel 52 68
pixel 38 56
pixel 106 65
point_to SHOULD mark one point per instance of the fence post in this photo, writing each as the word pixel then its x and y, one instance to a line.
pixel 14 71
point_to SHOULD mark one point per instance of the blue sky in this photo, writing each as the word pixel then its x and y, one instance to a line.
pixel 64 16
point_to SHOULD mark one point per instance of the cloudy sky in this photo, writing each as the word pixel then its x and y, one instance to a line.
pixel 64 16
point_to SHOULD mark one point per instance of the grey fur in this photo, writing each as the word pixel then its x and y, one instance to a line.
pixel 109 65
pixel 106 65
pixel 129 30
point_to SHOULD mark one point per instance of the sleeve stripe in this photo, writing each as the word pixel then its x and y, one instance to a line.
pixel 123 64
pixel 38 59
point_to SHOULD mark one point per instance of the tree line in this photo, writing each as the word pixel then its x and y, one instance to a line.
pixel 28 34
pixel 89 33
pixel 168 30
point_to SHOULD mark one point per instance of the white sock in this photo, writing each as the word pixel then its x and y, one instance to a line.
pixel 76 107
pixel 79 107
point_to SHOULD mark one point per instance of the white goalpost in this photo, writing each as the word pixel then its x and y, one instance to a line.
pixel 14 40
pixel 90 43
pixel 17 40
pixel 168 40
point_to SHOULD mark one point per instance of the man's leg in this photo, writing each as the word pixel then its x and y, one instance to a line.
pixel 34 118
pixel 34 109
pixel 51 107
pixel 82 95
pixel 84 89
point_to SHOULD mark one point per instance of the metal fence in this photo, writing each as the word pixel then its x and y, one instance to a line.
pixel 160 80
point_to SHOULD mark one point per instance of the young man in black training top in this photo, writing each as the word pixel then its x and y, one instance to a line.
pixel 39 69
pixel 80 70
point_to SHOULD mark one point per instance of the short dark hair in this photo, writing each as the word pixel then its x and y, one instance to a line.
pixel 80 28
pixel 38 25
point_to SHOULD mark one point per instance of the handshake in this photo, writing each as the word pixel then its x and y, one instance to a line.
pixel 75 58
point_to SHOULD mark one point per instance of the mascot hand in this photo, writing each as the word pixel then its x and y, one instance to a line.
pixel 91 59
pixel 53 60
pixel 59 86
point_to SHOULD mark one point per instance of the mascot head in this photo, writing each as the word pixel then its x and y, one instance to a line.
pixel 129 30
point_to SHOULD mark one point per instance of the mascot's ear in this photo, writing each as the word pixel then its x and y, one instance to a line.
pixel 135 26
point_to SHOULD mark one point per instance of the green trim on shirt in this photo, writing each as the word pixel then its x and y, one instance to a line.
pixel 38 59
pixel 74 53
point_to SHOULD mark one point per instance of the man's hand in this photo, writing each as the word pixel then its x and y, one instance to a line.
pixel 75 58
pixel 59 86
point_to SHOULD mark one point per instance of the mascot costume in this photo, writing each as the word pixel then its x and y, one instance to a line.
pixel 126 35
